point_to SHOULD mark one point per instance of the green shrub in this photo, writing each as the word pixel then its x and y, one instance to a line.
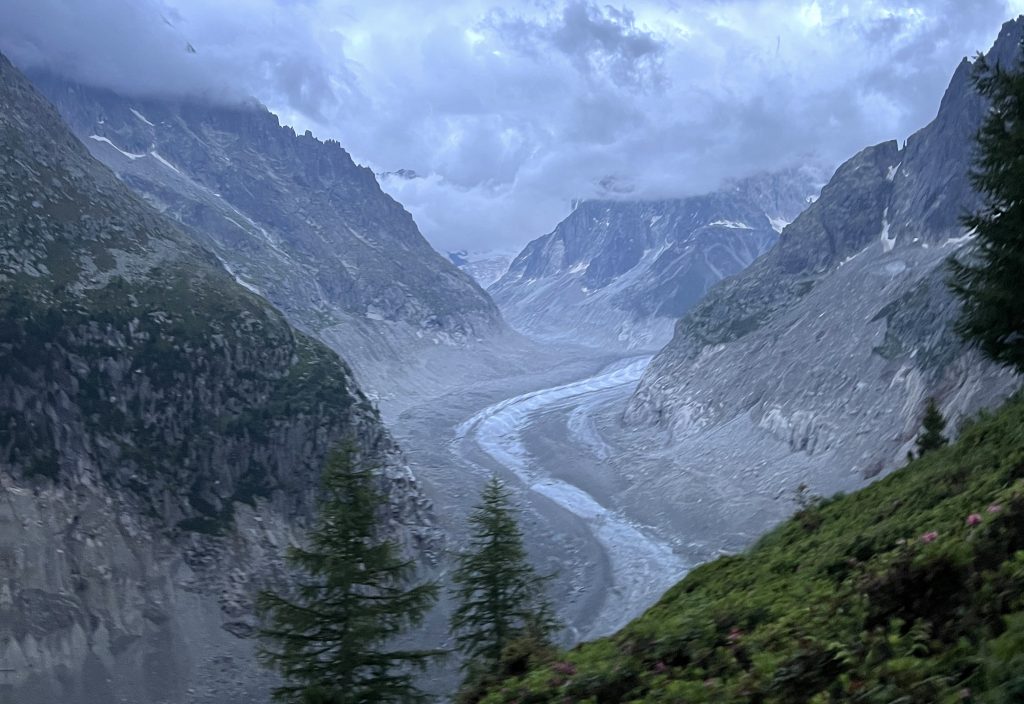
pixel 908 591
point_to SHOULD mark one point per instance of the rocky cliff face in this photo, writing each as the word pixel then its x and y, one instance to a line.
pixel 814 364
pixel 619 273
pixel 161 435
pixel 292 217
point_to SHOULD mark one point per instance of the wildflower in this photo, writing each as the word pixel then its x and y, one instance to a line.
pixel 660 667
pixel 974 519
pixel 995 508
pixel 564 668
pixel 735 634
pixel 930 537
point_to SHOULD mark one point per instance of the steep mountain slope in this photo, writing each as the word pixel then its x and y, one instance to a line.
pixel 907 591
pixel 619 273
pixel 292 217
pixel 821 354
pixel 161 435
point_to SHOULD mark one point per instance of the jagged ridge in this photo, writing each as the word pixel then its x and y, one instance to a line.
pixel 619 273
pixel 830 343
pixel 292 217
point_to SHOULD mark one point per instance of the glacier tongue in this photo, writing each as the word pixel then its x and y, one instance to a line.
pixel 643 566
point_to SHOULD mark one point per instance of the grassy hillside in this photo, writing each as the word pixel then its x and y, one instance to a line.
pixel 909 591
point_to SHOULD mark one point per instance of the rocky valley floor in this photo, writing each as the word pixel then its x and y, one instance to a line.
pixel 552 429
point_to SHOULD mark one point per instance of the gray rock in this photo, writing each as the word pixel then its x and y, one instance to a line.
pixel 293 218
pixel 162 431
pixel 617 274
pixel 820 355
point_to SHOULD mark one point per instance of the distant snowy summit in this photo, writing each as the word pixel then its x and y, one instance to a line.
pixel 485 267
pixel 618 273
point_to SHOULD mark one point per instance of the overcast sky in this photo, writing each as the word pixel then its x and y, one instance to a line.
pixel 509 110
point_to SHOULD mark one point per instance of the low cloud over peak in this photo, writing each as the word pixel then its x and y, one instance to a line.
pixel 510 110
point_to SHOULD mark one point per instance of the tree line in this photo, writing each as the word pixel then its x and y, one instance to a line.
pixel 333 633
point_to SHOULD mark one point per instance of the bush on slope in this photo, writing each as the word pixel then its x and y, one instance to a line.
pixel 910 590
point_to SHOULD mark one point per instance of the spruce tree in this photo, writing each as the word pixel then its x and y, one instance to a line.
pixel 500 598
pixel 331 636
pixel 931 437
pixel 988 277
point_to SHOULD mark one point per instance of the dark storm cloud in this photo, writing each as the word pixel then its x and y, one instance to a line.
pixel 511 108
pixel 598 40
pixel 148 47
pixel 112 43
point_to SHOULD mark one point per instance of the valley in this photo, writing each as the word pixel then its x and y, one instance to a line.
pixel 235 372
pixel 550 433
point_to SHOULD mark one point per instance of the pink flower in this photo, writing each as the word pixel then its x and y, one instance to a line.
pixel 974 519
pixel 735 634
pixel 930 537
pixel 994 508
pixel 660 667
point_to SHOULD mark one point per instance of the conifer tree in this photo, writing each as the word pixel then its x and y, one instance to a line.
pixel 931 437
pixel 499 596
pixel 331 636
pixel 988 278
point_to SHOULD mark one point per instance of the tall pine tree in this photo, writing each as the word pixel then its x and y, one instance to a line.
pixel 331 635
pixel 500 598
pixel 931 437
pixel 988 279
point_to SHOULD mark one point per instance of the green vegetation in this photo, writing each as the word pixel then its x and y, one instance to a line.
pixel 910 591
pixel 221 370
pixel 931 437
pixel 500 600
pixel 988 281
pixel 331 635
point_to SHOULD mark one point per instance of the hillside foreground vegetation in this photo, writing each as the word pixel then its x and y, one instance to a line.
pixel 910 591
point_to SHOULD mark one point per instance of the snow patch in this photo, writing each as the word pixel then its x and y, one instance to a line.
pixel 851 258
pixel 578 267
pixel 238 279
pixel 131 156
pixel 778 224
pixel 141 117
pixel 732 224
pixel 654 220
pixel 891 176
pixel 957 241
pixel 887 242
pixel 166 163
